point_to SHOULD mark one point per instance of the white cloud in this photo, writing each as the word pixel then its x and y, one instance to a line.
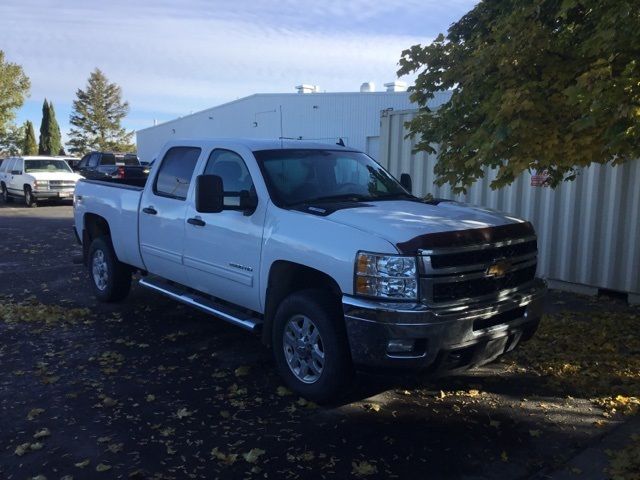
pixel 174 57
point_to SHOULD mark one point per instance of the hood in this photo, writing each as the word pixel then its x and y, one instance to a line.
pixel 55 176
pixel 412 226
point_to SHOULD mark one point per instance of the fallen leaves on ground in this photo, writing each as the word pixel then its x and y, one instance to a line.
pixel 625 464
pixel 363 469
pixel 594 355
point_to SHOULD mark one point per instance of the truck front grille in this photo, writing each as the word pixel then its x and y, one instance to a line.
pixel 61 184
pixel 464 274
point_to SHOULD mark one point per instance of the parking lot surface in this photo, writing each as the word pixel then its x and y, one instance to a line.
pixel 150 389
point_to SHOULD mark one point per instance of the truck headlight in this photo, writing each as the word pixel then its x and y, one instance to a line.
pixel 386 276
pixel 42 184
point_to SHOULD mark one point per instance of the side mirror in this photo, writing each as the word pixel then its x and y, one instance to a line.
pixel 405 181
pixel 248 202
pixel 16 172
pixel 209 194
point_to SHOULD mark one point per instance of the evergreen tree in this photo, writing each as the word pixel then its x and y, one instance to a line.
pixel 54 132
pixel 50 138
pixel 96 117
pixel 44 129
pixel 30 146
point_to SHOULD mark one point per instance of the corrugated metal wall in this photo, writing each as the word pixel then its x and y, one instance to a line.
pixel 588 229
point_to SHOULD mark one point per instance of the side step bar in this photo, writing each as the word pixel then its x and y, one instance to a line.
pixel 189 297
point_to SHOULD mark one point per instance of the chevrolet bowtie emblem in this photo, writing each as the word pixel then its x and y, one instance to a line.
pixel 499 269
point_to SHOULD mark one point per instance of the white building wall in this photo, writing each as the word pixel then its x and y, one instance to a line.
pixel 324 117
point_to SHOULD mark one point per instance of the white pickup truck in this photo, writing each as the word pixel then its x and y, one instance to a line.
pixel 322 252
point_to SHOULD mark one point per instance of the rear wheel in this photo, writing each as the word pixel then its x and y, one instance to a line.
pixel 111 279
pixel 29 199
pixel 5 194
pixel 310 346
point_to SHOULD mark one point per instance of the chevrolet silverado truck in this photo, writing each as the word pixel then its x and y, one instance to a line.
pixel 321 252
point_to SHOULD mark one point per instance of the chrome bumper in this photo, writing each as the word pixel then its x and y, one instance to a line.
pixel 446 338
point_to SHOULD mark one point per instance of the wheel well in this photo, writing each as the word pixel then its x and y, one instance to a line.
pixel 94 226
pixel 286 278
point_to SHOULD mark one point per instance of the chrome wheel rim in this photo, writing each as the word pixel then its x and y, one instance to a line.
pixel 99 270
pixel 27 196
pixel 303 348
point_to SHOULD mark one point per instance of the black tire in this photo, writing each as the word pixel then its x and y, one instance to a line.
pixel 29 199
pixel 5 194
pixel 324 312
pixel 117 281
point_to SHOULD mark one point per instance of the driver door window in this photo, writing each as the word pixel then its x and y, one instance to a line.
pixel 231 168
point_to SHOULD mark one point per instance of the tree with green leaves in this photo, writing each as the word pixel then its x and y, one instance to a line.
pixel 50 138
pixel 541 85
pixel 30 146
pixel 97 117
pixel 14 88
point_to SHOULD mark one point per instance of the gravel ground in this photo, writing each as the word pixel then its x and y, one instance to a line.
pixel 148 389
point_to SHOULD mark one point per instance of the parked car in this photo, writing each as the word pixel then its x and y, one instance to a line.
pixel 34 179
pixel 110 166
pixel 73 162
pixel 322 251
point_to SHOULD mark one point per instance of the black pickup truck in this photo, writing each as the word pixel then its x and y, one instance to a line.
pixel 123 167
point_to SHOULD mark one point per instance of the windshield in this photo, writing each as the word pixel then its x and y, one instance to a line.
pixel 307 176
pixel 46 166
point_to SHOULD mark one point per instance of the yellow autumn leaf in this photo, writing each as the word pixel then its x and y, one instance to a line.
pixel 101 467
pixel 363 469
pixel 21 449
pixel 183 413
pixel 283 391
pixel 42 433
pixel 252 455
pixel 83 463
pixel 504 457
pixel 34 412
pixel 242 371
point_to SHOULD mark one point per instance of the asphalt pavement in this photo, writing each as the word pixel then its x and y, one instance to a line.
pixel 150 389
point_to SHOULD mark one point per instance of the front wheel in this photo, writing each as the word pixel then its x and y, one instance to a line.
pixel 111 279
pixel 29 199
pixel 310 346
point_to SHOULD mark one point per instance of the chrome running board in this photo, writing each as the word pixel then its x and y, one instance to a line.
pixel 190 297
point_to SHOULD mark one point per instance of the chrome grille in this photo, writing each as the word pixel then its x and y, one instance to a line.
pixel 456 275
pixel 61 184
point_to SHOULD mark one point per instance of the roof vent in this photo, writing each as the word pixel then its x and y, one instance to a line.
pixel 306 88
pixel 368 87
pixel 396 86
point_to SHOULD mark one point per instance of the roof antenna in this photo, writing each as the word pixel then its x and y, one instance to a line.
pixel 340 142
pixel 281 131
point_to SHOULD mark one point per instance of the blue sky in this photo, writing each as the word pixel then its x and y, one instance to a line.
pixel 175 57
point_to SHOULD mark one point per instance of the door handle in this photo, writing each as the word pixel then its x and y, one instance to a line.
pixel 150 210
pixel 196 221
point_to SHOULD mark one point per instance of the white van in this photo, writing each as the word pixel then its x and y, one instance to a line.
pixel 36 178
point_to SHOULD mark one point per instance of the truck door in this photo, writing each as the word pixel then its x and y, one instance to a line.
pixel 162 214
pixel 222 250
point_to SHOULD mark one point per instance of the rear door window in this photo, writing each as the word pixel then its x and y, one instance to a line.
pixel 176 170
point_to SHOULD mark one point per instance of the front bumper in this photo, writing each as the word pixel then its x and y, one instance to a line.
pixel 445 339
pixel 53 194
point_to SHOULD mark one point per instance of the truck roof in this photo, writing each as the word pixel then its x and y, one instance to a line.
pixel 255 144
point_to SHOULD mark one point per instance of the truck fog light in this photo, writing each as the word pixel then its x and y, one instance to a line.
pixel 401 345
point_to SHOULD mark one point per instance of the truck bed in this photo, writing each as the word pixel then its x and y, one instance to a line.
pixel 118 203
